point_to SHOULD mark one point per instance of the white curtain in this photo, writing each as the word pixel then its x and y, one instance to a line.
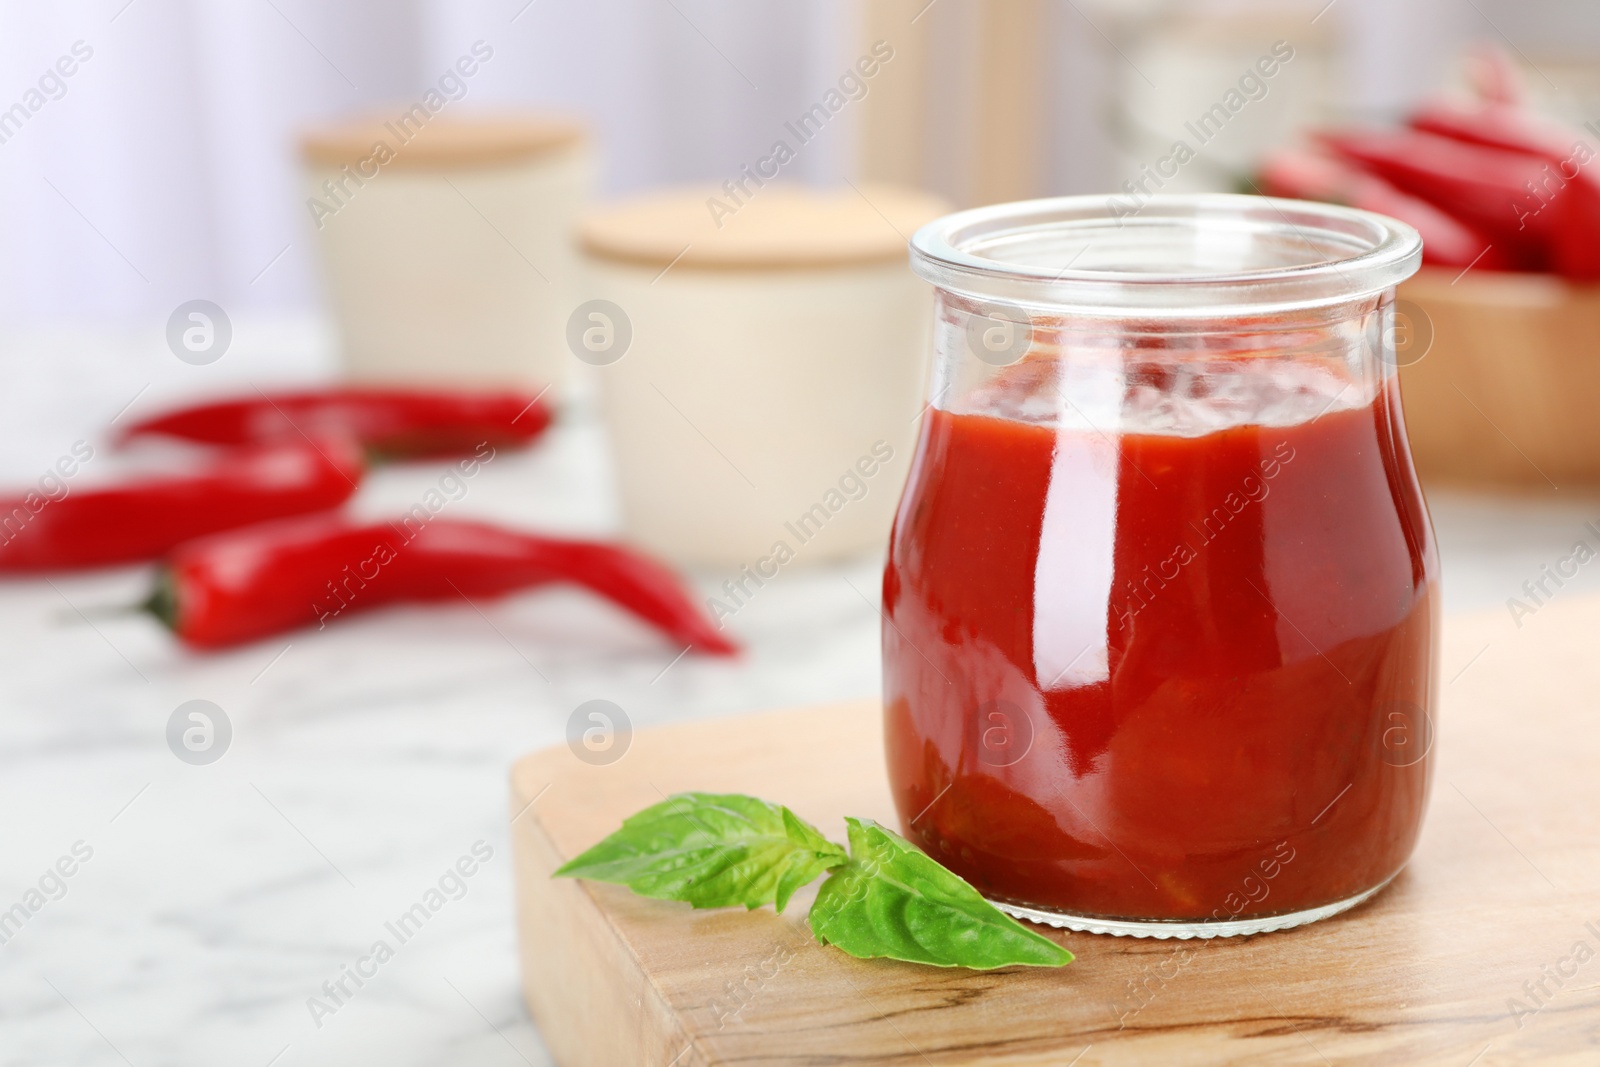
pixel 163 169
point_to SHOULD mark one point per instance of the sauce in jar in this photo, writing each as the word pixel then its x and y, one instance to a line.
pixel 1162 676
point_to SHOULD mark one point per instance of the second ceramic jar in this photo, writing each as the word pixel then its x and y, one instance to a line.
pixel 762 365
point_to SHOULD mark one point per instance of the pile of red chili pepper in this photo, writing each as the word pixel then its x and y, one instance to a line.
pixel 1486 180
pixel 251 544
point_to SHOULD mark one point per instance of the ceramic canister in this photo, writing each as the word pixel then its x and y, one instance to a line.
pixel 447 244
pixel 761 358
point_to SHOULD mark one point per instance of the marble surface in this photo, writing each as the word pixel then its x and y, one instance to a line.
pixel 365 760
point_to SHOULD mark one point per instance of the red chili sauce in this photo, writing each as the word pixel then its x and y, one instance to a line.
pixel 1153 676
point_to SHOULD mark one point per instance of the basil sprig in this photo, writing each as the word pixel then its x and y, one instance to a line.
pixel 892 899
pixel 884 898
pixel 712 850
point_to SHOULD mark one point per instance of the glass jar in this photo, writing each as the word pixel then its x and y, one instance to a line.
pixel 1161 604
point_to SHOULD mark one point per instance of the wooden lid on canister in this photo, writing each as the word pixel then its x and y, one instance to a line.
pixel 416 138
pixel 774 226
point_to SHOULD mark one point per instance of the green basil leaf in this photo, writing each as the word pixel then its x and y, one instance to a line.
pixel 893 900
pixel 711 850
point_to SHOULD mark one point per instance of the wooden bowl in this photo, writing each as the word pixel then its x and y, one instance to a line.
pixel 1508 393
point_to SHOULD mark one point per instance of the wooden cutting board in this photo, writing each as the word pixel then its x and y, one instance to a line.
pixel 1502 896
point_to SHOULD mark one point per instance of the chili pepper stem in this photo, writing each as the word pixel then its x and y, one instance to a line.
pixel 162 601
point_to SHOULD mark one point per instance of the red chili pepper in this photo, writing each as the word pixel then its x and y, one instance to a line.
pixel 1482 186
pixel 1498 126
pixel 1446 241
pixel 246 584
pixel 1566 173
pixel 391 423
pixel 145 517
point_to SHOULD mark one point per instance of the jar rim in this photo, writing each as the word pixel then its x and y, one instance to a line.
pixel 1177 255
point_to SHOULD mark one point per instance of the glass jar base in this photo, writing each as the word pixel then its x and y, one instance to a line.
pixel 1184 929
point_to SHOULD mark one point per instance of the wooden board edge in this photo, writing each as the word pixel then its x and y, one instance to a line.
pixel 570 1005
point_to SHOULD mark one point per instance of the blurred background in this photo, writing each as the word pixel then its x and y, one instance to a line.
pixel 168 168
pixel 173 165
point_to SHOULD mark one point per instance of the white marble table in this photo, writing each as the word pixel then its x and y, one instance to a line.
pixel 365 760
